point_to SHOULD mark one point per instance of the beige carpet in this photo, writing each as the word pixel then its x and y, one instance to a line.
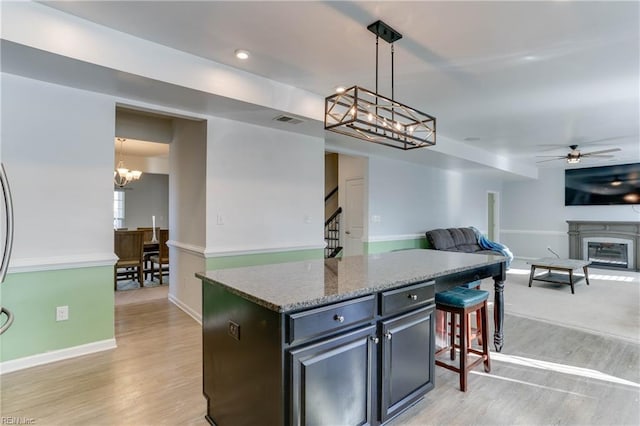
pixel 610 305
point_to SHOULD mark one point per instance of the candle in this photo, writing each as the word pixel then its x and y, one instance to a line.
pixel 153 227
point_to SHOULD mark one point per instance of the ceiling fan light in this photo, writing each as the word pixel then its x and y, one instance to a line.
pixel 242 54
pixel 573 160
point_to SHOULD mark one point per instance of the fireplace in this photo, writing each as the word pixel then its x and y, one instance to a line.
pixel 609 252
pixel 610 245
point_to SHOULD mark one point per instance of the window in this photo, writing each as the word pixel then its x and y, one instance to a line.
pixel 118 209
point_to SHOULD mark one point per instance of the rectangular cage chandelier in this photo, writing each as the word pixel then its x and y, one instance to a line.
pixel 367 115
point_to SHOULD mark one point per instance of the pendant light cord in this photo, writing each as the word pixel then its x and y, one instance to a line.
pixel 392 97
pixel 377 64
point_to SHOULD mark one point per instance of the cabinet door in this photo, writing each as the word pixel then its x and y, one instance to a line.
pixel 407 360
pixel 332 381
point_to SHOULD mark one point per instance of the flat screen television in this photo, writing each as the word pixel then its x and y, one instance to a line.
pixel 597 186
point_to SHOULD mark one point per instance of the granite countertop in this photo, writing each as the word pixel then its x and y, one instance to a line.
pixel 286 287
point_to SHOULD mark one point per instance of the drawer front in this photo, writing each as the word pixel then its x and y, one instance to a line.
pixel 306 325
pixel 405 298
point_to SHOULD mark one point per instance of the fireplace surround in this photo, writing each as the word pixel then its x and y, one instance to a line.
pixel 605 241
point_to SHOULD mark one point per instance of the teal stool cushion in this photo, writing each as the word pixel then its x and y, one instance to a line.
pixel 461 297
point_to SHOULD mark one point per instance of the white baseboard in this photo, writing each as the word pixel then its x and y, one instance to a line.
pixel 185 308
pixel 57 355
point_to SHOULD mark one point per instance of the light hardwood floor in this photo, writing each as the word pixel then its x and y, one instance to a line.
pixel 545 375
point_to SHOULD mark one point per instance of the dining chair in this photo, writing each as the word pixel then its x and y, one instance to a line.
pixel 148 232
pixel 162 258
pixel 150 248
pixel 128 247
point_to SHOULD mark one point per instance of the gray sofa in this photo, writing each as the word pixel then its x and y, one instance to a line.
pixel 456 239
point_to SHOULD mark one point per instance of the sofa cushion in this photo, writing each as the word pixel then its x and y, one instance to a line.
pixel 440 239
pixel 453 239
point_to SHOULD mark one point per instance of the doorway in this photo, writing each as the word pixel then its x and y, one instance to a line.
pixel 141 204
pixel 493 228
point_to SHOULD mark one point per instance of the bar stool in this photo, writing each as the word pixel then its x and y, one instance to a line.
pixel 471 333
pixel 460 302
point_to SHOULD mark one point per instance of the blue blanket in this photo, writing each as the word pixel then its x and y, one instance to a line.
pixel 487 244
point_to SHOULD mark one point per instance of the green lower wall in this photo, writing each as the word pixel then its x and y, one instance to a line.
pixel 387 246
pixel 33 298
pixel 263 258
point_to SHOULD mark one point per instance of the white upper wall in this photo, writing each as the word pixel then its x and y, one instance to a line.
pixel 57 147
pixel 265 189
pixel 410 199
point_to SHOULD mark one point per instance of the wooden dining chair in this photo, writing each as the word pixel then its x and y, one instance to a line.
pixel 149 248
pixel 162 258
pixel 148 232
pixel 128 246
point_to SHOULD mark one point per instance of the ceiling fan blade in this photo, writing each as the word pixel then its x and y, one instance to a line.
pixel 600 152
pixel 597 141
pixel 551 156
pixel 600 156
pixel 551 159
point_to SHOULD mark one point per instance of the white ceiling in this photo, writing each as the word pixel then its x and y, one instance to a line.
pixel 511 78
pixel 139 148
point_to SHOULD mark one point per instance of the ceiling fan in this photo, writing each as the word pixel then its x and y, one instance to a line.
pixel 574 156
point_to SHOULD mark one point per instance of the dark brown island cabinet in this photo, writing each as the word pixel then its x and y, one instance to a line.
pixel 351 361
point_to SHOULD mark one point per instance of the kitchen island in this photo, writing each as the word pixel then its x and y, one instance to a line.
pixel 336 341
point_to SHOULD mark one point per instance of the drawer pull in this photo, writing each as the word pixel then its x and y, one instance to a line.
pixel 338 318
pixel 374 339
pixel 388 335
pixel 413 296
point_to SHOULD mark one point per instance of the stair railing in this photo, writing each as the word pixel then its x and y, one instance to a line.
pixel 332 234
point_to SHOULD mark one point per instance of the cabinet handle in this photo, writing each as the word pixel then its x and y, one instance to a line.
pixel 374 339
pixel 338 318
pixel 388 335
pixel 413 296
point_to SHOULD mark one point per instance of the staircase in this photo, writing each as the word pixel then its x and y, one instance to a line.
pixel 332 234
pixel 332 229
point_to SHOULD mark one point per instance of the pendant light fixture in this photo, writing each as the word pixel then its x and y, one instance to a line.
pixel 122 175
pixel 367 115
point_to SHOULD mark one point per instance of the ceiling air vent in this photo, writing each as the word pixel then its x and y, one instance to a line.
pixel 288 119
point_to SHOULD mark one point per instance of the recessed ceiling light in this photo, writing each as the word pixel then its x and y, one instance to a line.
pixel 340 89
pixel 242 54
pixel 530 58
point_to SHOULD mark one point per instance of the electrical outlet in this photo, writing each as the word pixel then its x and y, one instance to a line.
pixel 234 330
pixel 62 313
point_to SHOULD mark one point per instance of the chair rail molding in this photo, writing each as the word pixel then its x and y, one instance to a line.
pixel 224 252
pixel 52 263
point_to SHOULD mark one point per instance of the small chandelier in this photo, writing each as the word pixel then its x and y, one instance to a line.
pixel 367 115
pixel 122 175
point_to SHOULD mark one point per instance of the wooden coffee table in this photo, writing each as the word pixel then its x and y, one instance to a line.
pixel 555 264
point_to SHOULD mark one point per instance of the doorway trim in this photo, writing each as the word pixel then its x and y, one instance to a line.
pixel 493 215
